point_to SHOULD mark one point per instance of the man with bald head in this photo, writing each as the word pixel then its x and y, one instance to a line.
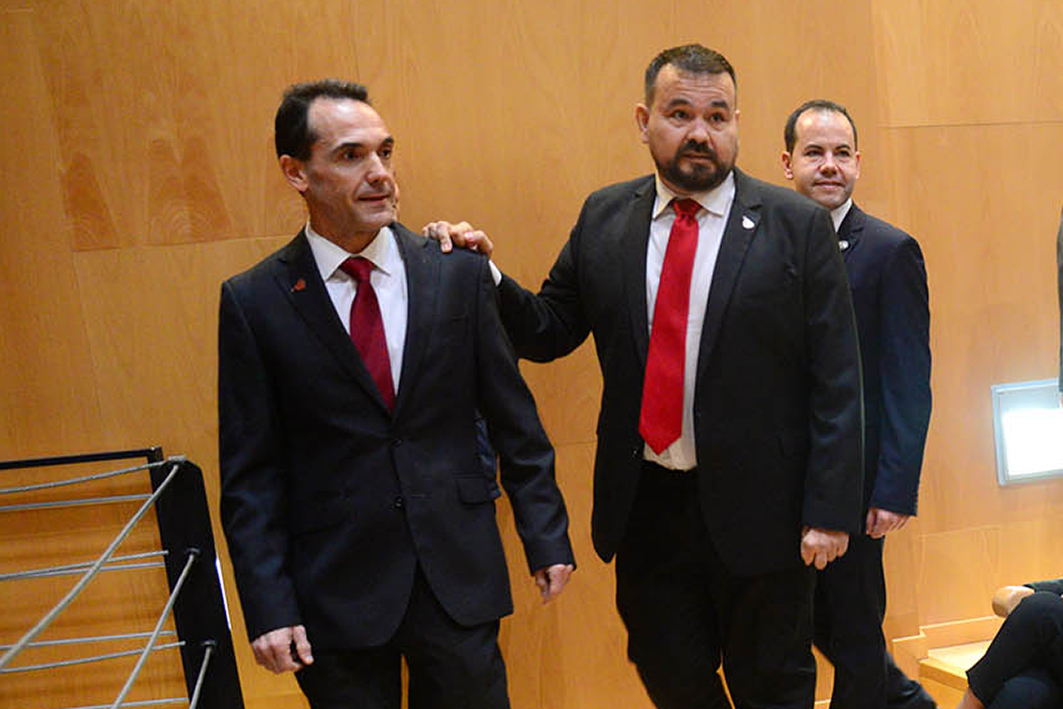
pixel 888 279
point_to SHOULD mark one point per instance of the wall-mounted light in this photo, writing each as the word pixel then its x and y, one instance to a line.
pixel 1028 427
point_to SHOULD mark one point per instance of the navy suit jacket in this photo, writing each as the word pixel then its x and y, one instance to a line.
pixel 888 280
pixel 329 500
pixel 777 407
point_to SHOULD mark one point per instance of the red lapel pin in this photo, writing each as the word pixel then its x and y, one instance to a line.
pixel 299 285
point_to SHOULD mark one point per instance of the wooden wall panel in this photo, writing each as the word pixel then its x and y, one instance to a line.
pixel 43 341
pixel 572 652
pixel 987 231
pixel 148 128
pixel 946 63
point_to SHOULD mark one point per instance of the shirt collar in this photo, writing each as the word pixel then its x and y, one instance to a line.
pixel 837 214
pixel 715 200
pixel 328 256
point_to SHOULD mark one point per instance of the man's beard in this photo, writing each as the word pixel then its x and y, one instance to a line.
pixel 700 177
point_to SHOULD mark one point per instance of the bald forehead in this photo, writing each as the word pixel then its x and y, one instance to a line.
pixel 819 119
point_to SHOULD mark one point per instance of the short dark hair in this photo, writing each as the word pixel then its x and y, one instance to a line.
pixel 291 127
pixel 689 58
pixel 789 133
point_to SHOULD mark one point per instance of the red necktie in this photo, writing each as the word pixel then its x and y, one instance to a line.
pixel 367 328
pixel 661 418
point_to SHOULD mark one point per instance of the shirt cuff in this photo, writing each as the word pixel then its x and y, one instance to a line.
pixel 496 275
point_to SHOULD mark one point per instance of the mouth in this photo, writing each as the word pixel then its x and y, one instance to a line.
pixel 375 198
pixel 829 185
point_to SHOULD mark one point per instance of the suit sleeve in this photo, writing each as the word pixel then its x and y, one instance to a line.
pixel 1059 285
pixel 1053 586
pixel 834 478
pixel 904 351
pixel 253 504
pixel 551 324
pixel 527 458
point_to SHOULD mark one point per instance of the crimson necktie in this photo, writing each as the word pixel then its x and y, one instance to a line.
pixel 661 418
pixel 367 328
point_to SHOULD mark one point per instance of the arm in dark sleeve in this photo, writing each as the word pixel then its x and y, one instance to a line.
pixel 551 324
pixel 1053 586
pixel 527 458
pixel 834 479
pixel 253 505
pixel 904 347
pixel 1059 279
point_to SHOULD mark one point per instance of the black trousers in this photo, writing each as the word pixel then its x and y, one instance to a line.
pixel 450 666
pixel 685 611
pixel 1023 667
pixel 850 603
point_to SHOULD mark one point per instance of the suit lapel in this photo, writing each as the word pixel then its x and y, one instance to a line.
pixel 633 245
pixel 422 283
pixel 738 233
pixel 850 230
pixel 301 282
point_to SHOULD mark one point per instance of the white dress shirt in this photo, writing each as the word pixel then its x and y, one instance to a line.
pixel 388 279
pixel 837 215
pixel 712 217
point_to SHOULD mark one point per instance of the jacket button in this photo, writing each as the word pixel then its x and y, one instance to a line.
pixel 399 502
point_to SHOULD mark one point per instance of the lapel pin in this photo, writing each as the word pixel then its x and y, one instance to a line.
pixel 299 285
pixel 747 223
pixel 843 244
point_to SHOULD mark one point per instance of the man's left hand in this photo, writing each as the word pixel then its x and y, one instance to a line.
pixel 822 546
pixel 880 522
pixel 552 579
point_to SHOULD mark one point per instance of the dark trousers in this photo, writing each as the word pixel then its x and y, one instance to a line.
pixel 684 610
pixel 1023 667
pixel 450 666
pixel 850 603
pixel 903 692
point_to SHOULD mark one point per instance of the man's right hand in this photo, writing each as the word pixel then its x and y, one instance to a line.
pixel 461 235
pixel 283 649
pixel 819 547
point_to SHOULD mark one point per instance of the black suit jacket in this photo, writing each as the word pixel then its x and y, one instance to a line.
pixel 890 297
pixel 1059 285
pixel 777 407
pixel 329 501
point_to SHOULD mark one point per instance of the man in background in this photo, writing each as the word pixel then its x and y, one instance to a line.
pixel 890 297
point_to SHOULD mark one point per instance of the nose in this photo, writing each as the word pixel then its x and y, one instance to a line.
pixel 828 165
pixel 377 169
pixel 699 130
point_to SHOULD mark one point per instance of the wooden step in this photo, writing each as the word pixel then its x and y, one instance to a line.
pixel 941 654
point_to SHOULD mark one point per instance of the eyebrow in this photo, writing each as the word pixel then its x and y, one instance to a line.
pixel 838 146
pixel 387 142
pixel 683 101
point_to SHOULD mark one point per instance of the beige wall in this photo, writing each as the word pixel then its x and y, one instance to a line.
pixel 139 174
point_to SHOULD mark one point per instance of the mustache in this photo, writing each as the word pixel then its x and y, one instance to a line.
pixel 696 149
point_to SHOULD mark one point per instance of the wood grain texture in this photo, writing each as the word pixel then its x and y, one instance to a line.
pixel 143 132
pixel 982 63
pixel 43 343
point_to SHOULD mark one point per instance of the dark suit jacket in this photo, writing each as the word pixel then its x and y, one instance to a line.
pixel 328 500
pixel 888 279
pixel 1059 285
pixel 777 407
